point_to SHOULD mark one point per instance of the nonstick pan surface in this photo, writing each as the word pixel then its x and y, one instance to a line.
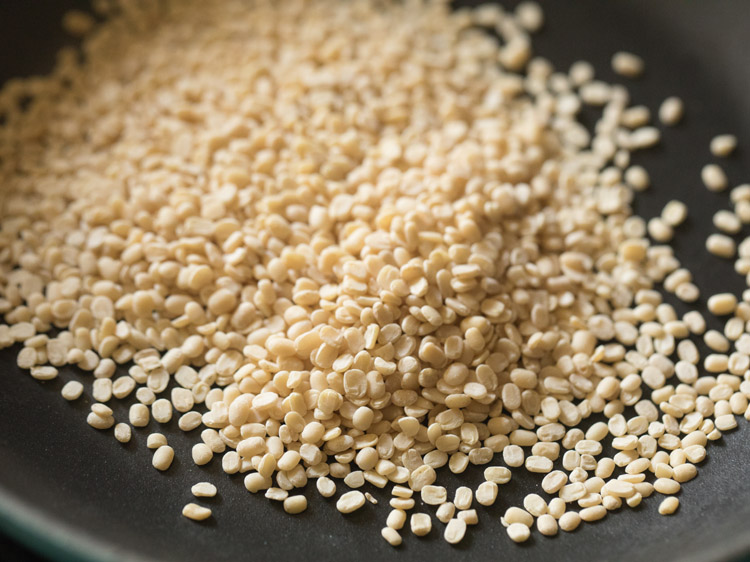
pixel 73 493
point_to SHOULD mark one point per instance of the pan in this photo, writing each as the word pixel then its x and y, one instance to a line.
pixel 69 492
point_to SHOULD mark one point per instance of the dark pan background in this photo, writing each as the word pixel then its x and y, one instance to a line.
pixel 77 494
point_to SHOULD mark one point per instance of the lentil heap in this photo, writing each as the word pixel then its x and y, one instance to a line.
pixel 354 240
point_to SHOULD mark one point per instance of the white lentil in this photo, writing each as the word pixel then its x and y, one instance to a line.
pixel 396 519
pixel 627 64
pixel 163 457
pixel 254 482
pixel 155 440
pixel 714 177
pixel 295 504
pixel 721 245
pixel 350 501
pixel 671 111
pixel 402 492
pixel 666 486
pixel 463 497
pixel 535 505
pixel 421 524
pixel 202 454
pixel 727 222
pixel 674 213
pixel 100 419
pixel 486 493
pixel 401 503
pixel 547 525
pixel 716 341
pixel 469 516
pixel 569 521
pixel 723 145
pixel 44 373
pixel 593 513
pixel 669 505
pixel 161 410
pixel 685 472
pixel 518 532
pixel 188 421
pixel 145 396
pixel 355 479
pixel 102 390
pixel 722 304
pixel 445 512
pixel 203 490
pixel 434 495
pixel 530 15
pixel 391 535
pixel 196 512
pixel 455 531
pixel 72 390
pixel 517 515
pixel 660 230
pixel 122 432
pixel 637 177
pixel 138 415
pixel 725 422
pixel 497 474
pixel 513 455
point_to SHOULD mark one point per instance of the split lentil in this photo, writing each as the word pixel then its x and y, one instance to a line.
pixel 669 505
pixel 714 177
pixel 163 457
pixel 295 504
pixel 518 532
pixel 123 432
pixel 196 512
pixel 203 490
pixel 671 111
pixel 627 64
pixel 351 501
pixel 445 512
pixel 391 535
pixel 455 531
pixel 72 390
pixel 421 524
pixel 723 145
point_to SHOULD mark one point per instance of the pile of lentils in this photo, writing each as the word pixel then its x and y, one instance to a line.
pixel 361 242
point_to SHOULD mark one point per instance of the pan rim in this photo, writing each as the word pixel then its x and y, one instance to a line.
pixel 55 538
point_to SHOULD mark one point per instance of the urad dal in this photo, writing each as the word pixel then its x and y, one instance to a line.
pixel 366 240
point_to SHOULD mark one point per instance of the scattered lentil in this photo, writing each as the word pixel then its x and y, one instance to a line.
pixel 295 504
pixel 203 490
pixel 163 457
pixel 518 532
pixel 723 145
pixel 351 501
pixel 421 524
pixel 455 531
pixel 627 64
pixel 714 177
pixel 721 246
pixel 669 505
pixel 196 512
pixel 445 512
pixel 122 432
pixel 391 535
pixel 72 390
pixel 671 111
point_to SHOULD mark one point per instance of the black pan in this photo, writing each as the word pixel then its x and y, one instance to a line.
pixel 73 493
